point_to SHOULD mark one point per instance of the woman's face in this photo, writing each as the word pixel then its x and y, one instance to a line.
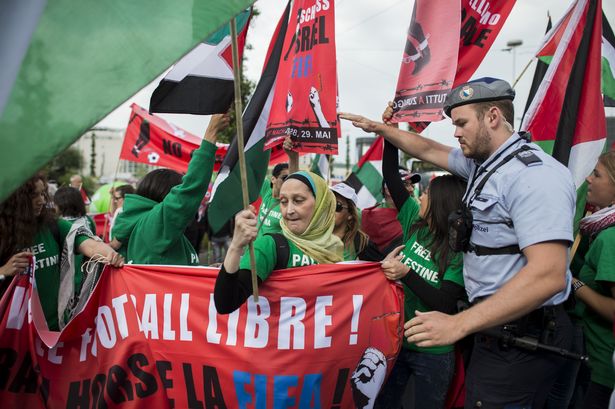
pixel 341 211
pixel 600 189
pixel 297 205
pixel 38 197
pixel 423 203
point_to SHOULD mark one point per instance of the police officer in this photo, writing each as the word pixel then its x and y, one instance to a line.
pixel 518 213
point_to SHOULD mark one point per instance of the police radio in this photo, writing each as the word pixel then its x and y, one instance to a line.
pixel 460 229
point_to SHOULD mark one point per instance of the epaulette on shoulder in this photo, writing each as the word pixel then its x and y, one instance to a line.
pixel 529 158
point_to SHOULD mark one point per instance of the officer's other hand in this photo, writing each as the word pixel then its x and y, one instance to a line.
pixel 245 228
pixel 387 115
pixel 361 122
pixel 217 124
pixel 392 267
pixel 433 328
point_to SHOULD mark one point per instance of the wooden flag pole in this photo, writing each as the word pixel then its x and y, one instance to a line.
pixel 522 72
pixel 240 144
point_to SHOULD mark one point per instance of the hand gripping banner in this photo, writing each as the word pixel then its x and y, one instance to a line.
pixel 321 336
pixel 304 102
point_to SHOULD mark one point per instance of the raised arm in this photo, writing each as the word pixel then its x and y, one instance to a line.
pixel 412 143
pixel 390 173
pixel 293 156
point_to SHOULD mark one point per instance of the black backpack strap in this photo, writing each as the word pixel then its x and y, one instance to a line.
pixel 282 250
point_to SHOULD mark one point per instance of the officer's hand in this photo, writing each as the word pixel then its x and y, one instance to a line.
pixel 17 264
pixel 392 267
pixel 433 328
pixel 361 122
pixel 245 228
pixel 387 115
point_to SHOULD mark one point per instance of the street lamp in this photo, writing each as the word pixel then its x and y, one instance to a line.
pixel 512 46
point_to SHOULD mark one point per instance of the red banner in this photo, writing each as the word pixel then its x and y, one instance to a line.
pixel 150 337
pixel 304 102
pixel 152 140
pixel 429 62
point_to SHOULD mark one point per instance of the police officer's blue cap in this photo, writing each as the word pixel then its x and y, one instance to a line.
pixel 479 90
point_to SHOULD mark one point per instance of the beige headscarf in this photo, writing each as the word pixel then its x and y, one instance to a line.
pixel 318 240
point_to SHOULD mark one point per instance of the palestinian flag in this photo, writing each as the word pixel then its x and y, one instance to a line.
pixel 225 196
pixel 566 118
pixel 608 63
pixel 320 166
pixel 81 60
pixel 201 83
pixel 366 176
pixel 539 73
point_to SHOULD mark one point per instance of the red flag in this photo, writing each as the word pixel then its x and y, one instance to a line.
pixel 429 62
pixel 150 337
pixel 152 140
pixel 304 102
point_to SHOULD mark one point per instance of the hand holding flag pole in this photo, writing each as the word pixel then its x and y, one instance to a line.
pixel 240 144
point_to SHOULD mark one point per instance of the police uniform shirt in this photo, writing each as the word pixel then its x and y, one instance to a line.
pixel 520 204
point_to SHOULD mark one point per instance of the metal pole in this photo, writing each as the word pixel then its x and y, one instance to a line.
pixel 240 144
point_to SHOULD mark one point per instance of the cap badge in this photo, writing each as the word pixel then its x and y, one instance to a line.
pixel 466 92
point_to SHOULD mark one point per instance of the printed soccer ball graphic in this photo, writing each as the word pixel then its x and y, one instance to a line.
pixel 153 157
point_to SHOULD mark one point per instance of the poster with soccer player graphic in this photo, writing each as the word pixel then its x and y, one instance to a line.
pixel 429 61
pixel 304 102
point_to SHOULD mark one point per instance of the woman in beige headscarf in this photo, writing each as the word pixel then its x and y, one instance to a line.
pixel 308 217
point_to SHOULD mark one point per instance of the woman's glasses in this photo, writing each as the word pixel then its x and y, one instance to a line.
pixel 339 206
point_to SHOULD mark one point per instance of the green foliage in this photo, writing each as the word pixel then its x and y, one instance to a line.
pixel 67 163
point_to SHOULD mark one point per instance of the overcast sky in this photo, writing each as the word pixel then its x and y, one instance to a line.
pixel 370 38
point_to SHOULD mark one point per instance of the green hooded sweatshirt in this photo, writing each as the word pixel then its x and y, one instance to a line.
pixel 152 232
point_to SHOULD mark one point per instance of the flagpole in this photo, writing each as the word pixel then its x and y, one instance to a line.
pixel 240 145
pixel 522 72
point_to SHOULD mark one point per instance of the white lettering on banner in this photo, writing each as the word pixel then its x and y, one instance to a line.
pixel 52 353
pixel 105 328
pixel 482 8
pixel 322 321
pixel 184 333
pixel 292 313
pixel 309 13
pixel 167 332
pixel 18 309
pixel 212 334
pixel 86 338
pixel 149 317
pixel 111 323
pixel 120 314
pixel 257 327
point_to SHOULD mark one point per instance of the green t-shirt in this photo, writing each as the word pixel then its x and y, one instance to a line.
pixel 47 272
pixel 265 255
pixel 418 257
pixel 598 272
pixel 269 214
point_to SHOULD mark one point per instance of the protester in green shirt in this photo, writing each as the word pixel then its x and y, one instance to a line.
pixel 269 214
pixel 308 215
pixel 432 276
pixel 150 229
pixel 594 283
pixel 30 234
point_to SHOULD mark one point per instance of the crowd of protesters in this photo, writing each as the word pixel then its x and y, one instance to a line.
pixel 504 277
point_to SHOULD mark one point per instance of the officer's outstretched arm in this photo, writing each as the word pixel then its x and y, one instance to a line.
pixel 543 276
pixel 412 143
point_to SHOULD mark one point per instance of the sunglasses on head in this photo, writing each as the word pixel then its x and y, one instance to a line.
pixel 283 177
pixel 339 206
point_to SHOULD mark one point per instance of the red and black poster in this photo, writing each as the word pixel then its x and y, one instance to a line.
pixel 481 22
pixel 429 62
pixel 152 140
pixel 304 102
